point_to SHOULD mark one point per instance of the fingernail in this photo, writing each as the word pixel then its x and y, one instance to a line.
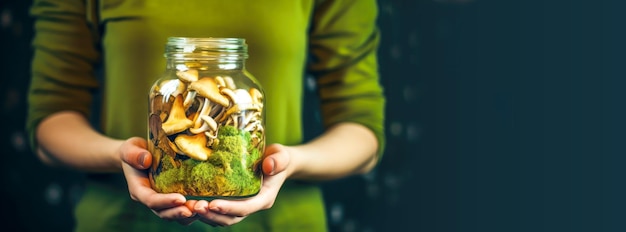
pixel 179 201
pixel 201 210
pixel 215 209
pixel 186 214
pixel 272 165
pixel 142 158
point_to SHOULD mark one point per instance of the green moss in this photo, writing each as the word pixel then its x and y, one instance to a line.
pixel 227 172
pixel 166 163
pixel 228 131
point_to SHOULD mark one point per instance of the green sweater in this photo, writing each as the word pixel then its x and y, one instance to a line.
pixel 334 41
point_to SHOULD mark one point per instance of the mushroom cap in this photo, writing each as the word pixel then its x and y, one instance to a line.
pixel 237 96
pixel 219 80
pixel 190 75
pixel 206 87
pixel 193 146
pixel 243 97
pixel 257 96
pixel 176 121
pixel 230 83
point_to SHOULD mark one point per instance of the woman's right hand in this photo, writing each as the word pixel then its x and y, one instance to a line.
pixel 135 161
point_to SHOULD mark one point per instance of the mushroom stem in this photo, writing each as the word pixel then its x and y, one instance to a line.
pixel 203 111
pixel 189 99
pixel 199 130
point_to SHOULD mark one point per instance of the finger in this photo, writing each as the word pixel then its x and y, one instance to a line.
pixel 158 201
pixel 190 204
pixel 262 201
pixel 178 213
pixel 134 153
pixel 140 190
pixel 201 207
pixel 276 159
pixel 217 219
pixel 188 220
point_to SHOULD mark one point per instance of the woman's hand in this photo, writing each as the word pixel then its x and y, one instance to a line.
pixel 135 160
pixel 276 169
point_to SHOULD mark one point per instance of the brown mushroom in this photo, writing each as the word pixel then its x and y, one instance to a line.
pixel 176 121
pixel 193 146
pixel 188 76
pixel 206 87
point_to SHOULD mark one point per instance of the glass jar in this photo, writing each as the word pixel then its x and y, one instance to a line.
pixel 206 121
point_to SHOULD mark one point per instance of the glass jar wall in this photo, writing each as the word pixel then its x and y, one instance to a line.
pixel 206 121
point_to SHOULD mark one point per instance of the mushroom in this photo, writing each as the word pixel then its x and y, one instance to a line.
pixel 251 117
pixel 229 93
pixel 204 110
pixel 191 95
pixel 256 95
pixel 193 146
pixel 219 80
pixel 176 121
pixel 188 76
pixel 241 101
pixel 252 125
pixel 209 123
pixel 230 83
pixel 236 109
pixel 160 145
pixel 206 87
pixel 257 136
pixel 171 88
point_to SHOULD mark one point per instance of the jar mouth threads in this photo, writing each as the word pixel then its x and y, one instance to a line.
pixel 220 49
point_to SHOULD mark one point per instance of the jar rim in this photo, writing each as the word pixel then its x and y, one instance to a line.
pixel 206 47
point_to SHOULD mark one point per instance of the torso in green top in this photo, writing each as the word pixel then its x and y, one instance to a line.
pixel 134 40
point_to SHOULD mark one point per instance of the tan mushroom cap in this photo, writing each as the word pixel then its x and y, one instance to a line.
pixel 256 95
pixel 206 87
pixel 193 146
pixel 177 121
pixel 188 76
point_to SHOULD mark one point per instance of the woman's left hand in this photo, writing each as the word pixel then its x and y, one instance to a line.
pixel 223 212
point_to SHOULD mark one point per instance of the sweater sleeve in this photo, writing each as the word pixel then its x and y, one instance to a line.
pixel 62 68
pixel 344 40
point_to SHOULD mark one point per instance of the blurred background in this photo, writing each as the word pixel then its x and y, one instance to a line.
pixel 502 116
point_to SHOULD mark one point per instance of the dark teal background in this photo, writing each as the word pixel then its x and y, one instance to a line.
pixel 502 116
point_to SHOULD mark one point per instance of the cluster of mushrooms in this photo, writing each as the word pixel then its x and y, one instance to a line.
pixel 186 114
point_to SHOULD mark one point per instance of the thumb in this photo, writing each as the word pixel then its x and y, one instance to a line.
pixel 133 151
pixel 276 159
